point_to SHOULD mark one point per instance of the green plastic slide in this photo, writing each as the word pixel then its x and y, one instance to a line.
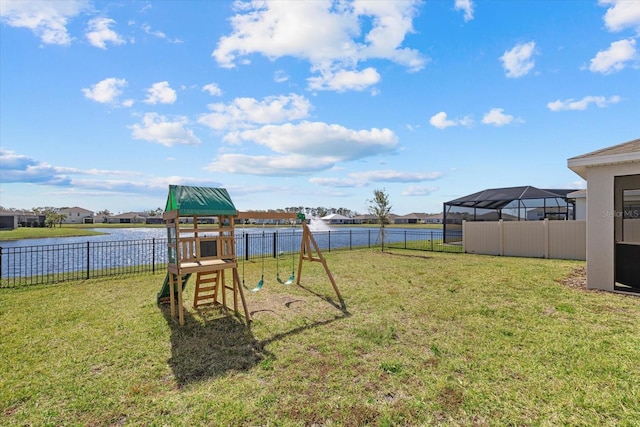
pixel 163 295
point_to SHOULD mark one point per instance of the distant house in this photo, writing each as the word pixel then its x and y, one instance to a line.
pixel 128 218
pixel 76 215
pixel 154 220
pixel 580 198
pixel 101 219
pixel 412 218
pixel 433 219
pixel 10 220
pixel 419 218
pixel 337 219
pixel 365 219
pixel 557 213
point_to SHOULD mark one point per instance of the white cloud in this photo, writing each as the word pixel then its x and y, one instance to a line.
pixel 303 148
pixel 622 14
pixel 614 58
pixel 467 7
pixel 46 19
pixel 362 179
pixel 248 112
pixel 106 91
pixel 99 33
pixel 288 165
pixel 212 89
pixel 441 121
pixel 343 80
pixel 496 117
pixel 582 104
pixel 280 76
pixel 518 61
pixel 18 168
pixel 395 176
pixel 326 33
pixel 157 128
pixel 159 34
pixel 318 140
pixel 418 190
pixel 161 93
pixel 335 182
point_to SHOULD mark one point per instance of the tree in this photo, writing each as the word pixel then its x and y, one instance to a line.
pixel 44 210
pixel 380 207
pixel 54 218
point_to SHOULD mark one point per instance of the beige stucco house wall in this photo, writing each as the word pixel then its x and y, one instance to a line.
pixel 76 215
pixel 580 197
pixel 600 169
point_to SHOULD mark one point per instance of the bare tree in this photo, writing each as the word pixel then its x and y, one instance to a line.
pixel 380 207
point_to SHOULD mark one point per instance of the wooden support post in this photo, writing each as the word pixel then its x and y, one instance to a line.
pixel 180 307
pixel 172 297
pixel 237 286
pixel 305 248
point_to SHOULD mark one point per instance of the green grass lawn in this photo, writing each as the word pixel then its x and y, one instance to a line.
pixel 425 339
pixel 46 232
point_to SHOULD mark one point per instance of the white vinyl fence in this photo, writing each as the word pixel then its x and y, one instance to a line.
pixel 538 239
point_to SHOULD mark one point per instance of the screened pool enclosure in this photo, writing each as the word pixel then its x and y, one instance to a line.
pixel 525 203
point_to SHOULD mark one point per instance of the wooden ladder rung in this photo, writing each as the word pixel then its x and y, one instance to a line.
pixel 206 294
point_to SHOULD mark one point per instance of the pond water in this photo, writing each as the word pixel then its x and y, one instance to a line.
pixel 141 233
pixel 127 247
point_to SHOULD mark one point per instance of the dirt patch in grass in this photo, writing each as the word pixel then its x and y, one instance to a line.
pixel 576 279
pixel 450 398
pixel 407 255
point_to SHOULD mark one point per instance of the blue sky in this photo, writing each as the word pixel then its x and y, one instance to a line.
pixel 308 103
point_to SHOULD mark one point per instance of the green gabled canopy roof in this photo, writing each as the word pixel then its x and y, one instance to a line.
pixel 188 200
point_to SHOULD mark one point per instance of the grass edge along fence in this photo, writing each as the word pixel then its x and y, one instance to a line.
pixel 48 264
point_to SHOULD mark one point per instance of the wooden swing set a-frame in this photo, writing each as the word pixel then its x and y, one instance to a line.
pixel 196 250
pixel 308 245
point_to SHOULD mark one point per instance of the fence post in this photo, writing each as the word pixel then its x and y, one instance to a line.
pixel 153 257
pixel 88 256
pixel 0 263
pixel 329 240
pixel 431 235
pixel 369 232
pixel 350 231
pixel 405 239
pixel 501 234
pixel 246 246
pixel 546 237
pixel 275 244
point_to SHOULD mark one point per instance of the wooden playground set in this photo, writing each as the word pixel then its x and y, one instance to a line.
pixel 208 250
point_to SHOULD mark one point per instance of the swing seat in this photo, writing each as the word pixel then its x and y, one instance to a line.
pixel 291 279
pixel 258 286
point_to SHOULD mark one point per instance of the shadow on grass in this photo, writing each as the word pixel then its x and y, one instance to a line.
pixel 215 343
pixel 211 345
pixel 387 252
